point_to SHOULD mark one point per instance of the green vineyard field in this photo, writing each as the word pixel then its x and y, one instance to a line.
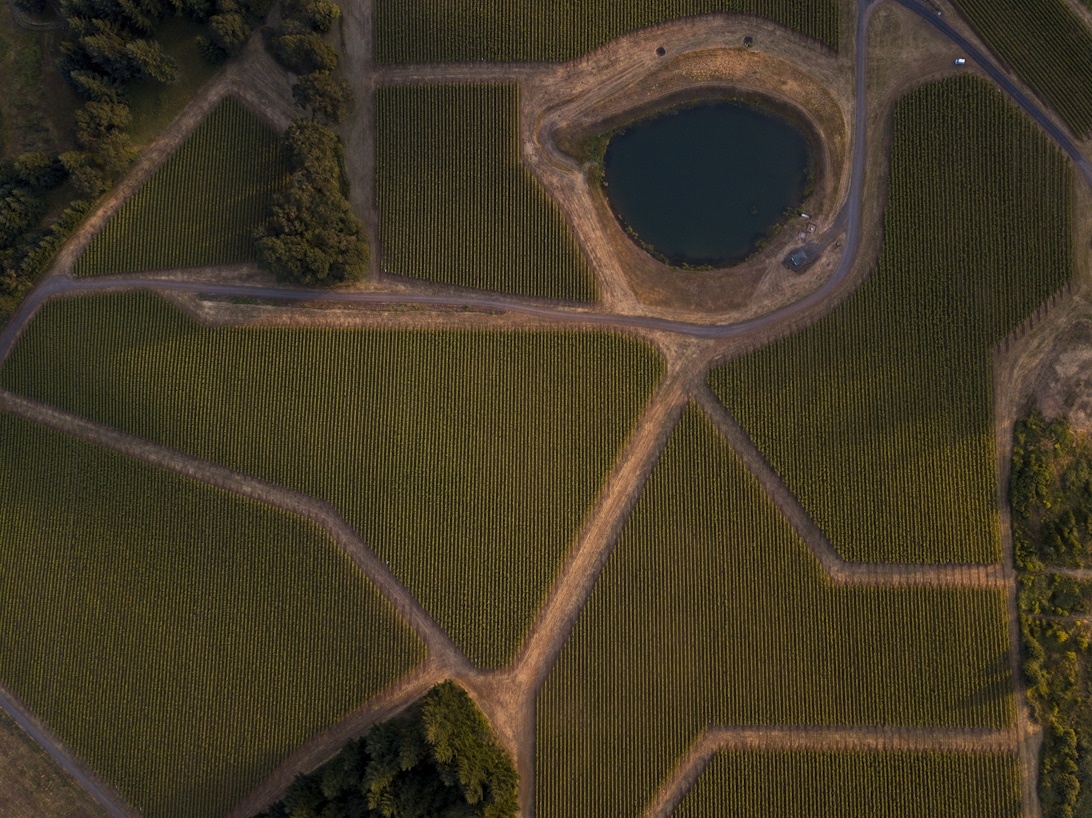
pixel 856 785
pixel 420 31
pixel 465 459
pixel 711 611
pixel 201 207
pixel 457 206
pixel 879 417
pixel 180 640
pixel 1047 45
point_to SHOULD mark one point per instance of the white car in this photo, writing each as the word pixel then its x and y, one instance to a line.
pixel 961 61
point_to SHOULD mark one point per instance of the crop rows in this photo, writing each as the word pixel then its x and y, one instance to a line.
pixel 201 207
pixel 711 611
pixel 856 785
pixel 465 459
pixel 456 204
pixel 879 417
pixel 1048 46
pixel 420 31
pixel 181 640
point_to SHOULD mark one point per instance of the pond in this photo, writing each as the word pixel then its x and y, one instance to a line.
pixel 704 185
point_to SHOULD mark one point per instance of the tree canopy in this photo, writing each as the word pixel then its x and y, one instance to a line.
pixel 439 760
pixel 312 235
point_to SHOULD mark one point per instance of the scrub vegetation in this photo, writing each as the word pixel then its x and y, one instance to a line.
pixel 202 206
pixel 183 641
pixel 1047 45
pixel 465 459
pixel 878 785
pixel 709 591
pixel 1051 495
pixel 456 204
pixel 879 417
pixel 421 31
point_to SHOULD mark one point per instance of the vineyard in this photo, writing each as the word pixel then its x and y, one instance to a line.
pixel 201 207
pixel 465 459
pixel 879 417
pixel 456 204
pixel 1047 45
pixel 856 785
pixel 711 611
pixel 180 640
pixel 422 31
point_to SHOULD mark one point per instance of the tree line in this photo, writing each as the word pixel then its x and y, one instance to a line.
pixel 312 236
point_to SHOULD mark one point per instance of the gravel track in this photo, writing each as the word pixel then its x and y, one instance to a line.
pixel 508 695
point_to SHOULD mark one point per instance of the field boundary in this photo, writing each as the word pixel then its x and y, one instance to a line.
pixel 440 647
pixel 838 570
pixel 324 745
pixel 81 775
pixel 818 739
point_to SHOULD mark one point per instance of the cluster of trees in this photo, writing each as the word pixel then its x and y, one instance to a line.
pixel 440 760
pixel 298 45
pixel 24 184
pixel 312 235
pixel 113 45
pixel 1050 492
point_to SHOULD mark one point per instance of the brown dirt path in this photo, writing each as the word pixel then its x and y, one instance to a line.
pixel 817 739
pixel 252 77
pixel 837 569
pixel 325 744
pixel 440 648
pixel 82 775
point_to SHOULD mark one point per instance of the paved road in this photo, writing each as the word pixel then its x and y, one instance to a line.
pixel 50 744
pixel 998 75
pixel 849 218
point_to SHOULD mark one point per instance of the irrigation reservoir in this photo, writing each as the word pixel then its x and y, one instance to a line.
pixel 705 184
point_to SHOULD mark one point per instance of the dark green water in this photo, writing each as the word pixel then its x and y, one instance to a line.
pixel 704 184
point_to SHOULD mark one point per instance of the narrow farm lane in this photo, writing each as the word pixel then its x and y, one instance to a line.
pixel 818 739
pixel 519 684
pixel 512 691
pixel 839 570
pixel 322 746
pixel 440 648
pixel 102 793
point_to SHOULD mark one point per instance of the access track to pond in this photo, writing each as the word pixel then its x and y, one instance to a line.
pixel 690 347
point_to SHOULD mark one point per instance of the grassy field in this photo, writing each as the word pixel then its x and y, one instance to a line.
pixel 452 31
pixel 456 204
pixel 201 207
pixel 711 611
pixel 180 639
pixel 856 785
pixel 32 784
pixel 879 417
pixel 466 459
pixel 1047 45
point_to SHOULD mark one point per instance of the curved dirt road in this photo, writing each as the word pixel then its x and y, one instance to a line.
pixel 515 707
